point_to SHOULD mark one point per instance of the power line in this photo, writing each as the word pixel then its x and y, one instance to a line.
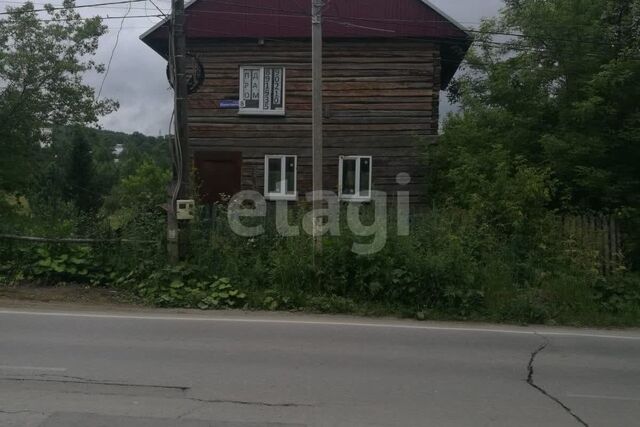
pixel 113 51
pixel 265 8
pixel 156 6
pixel 116 7
pixel 362 27
pixel 104 18
pixel 19 12
pixel 342 21
pixel 337 20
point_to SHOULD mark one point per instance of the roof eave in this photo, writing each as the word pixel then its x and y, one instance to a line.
pixel 154 28
pixel 157 26
pixel 447 17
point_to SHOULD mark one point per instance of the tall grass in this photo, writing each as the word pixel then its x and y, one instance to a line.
pixel 452 265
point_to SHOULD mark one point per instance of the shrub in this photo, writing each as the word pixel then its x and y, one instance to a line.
pixel 453 265
pixel 184 286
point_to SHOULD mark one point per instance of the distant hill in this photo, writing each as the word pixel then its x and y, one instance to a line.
pixel 129 150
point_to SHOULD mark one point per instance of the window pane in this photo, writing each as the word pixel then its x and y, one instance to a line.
pixel 275 175
pixel 349 176
pixel 290 168
pixel 365 173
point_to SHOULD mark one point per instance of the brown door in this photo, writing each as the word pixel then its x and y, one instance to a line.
pixel 218 173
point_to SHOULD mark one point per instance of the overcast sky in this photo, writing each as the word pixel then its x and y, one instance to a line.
pixel 137 74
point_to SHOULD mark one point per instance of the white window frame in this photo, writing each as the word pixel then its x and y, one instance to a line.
pixel 259 111
pixel 283 163
pixel 356 197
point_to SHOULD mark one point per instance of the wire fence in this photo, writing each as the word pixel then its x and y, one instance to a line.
pixel 79 241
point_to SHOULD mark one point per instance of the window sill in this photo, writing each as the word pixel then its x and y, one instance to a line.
pixel 356 199
pixel 262 113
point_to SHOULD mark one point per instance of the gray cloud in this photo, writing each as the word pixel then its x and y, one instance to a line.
pixel 137 76
pixel 138 81
pixel 469 12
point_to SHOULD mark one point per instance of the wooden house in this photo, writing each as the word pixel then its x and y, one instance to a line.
pixel 385 63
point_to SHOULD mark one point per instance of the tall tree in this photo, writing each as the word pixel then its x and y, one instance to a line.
pixel 556 82
pixel 552 85
pixel 81 177
pixel 42 63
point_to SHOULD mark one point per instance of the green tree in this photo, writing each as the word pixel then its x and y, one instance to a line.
pixel 138 198
pixel 551 86
pixel 81 176
pixel 139 148
pixel 42 63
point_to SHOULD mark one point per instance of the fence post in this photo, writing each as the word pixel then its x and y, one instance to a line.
pixel 606 249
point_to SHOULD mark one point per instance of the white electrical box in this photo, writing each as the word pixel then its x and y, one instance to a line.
pixel 185 209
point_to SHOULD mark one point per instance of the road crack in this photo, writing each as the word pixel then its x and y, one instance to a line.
pixel 252 403
pixel 69 380
pixel 19 411
pixel 532 383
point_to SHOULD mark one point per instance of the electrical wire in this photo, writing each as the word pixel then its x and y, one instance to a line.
pixel 338 20
pixel 177 146
pixel 156 6
pixel 19 12
pixel 362 27
pixel 116 7
pixel 344 21
pixel 103 18
pixel 113 51
pixel 335 19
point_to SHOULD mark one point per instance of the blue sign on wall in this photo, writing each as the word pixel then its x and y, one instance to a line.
pixel 230 103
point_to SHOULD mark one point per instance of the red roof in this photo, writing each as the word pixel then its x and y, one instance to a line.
pixel 341 19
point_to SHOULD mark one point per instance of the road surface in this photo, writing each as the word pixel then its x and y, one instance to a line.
pixel 185 369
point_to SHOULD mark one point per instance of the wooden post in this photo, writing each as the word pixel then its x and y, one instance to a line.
pixel 182 152
pixel 173 249
pixel 316 76
pixel 173 253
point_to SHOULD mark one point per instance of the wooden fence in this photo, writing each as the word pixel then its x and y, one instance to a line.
pixel 600 232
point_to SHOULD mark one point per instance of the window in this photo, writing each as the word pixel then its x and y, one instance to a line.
pixel 262 90
pixel 280 177
pixel 355 177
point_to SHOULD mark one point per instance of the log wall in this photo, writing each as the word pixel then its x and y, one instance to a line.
pixel 380 99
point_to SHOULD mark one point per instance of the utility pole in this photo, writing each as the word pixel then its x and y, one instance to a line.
pixel 178 231
pixel 316 77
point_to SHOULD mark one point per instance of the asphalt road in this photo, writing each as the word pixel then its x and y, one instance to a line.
pixel 160 369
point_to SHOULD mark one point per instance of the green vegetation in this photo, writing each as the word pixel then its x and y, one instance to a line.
pixel 454 265
pixel 42 63
pixel 549 125
pixel 558 103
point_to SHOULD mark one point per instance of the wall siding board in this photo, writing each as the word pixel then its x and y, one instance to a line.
pixel 380 100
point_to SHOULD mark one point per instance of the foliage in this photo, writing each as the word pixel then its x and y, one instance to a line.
pixel 42 63
pixel 80 177
pixel 554 104
pixel 619 293
pixel 549 122
pixel 136 200
pixel 137 149
pixel 65 267
pixel 454 265
pixel 184 286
